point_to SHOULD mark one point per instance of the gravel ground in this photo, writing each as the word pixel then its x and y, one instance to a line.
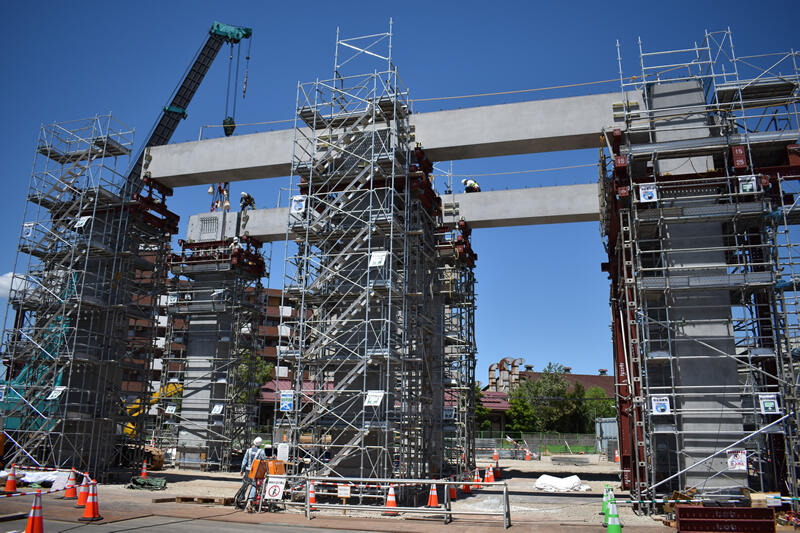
pixel 574 509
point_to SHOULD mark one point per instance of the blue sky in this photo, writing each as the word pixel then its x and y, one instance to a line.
pixel 541 293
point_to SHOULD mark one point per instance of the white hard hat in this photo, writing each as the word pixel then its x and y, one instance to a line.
pixel 244 193
pixel 257 441
pixel 464 181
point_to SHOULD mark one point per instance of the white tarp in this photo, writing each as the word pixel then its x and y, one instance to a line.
pixel 32 476
pixel 557 484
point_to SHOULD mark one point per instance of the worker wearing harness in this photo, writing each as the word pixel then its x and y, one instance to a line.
pixel 246 202
pixel 470 185
pixel 250 455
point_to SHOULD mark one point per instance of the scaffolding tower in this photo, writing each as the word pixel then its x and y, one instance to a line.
pixel 79 328
pixel 364 357
pixel 215 306
pixel 456 283
pixel 697 206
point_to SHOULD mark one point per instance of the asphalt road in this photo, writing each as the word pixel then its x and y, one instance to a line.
pixel 162 523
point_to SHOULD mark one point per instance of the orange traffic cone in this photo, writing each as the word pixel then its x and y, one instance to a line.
pixel 91 512
pixel 391 501
pixel 71 493
pixel 143 474
pixel 616 457
pixel 433 498
pixel 527 455
pixel 477 479
pixel 312 495
pixel 497 471
pixel 83 494
pixel 494 456
pixel 453 494
pixel 11 480
pixel 489 477
pixel 35 521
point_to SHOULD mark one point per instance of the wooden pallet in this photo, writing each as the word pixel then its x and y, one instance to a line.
pixel 208 500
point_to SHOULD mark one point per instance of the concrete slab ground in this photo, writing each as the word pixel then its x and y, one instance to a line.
pixel 127 510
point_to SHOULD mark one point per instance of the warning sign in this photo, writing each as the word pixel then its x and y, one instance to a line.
pixel 737 460
pixel 343 491
pixel 274 489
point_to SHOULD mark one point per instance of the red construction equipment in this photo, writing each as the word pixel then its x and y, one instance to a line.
pixel 527 455
pixel 694 518
pixel 497 471
pixel 71 493
pixel 489 477
pixel 91 512
pixel 616 456
pixel 452 489
pixel 143 474
pixel 35 520
pixel 433 498
pixel 495 457
pixel 83 494
pixel 11 481
pixel 391 501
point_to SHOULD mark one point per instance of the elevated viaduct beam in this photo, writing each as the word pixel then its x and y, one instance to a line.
pixel 491 209
pixel 508 129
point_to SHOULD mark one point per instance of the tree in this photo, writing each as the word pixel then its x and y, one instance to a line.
pixel 482 421
pixel 545 404
pixel 599 404
pixel 539 405
pixel 252 371
pixel 576 417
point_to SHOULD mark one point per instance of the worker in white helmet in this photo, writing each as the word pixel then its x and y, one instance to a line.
pixel 256 451
pixel 470 185
pixel 247 201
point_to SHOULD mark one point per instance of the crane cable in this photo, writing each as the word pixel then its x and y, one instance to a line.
pixel 246 66
pixel 236 79
pixel 228 84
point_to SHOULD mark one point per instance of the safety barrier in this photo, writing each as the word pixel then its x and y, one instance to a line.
pixel 90 504
pixel 444 509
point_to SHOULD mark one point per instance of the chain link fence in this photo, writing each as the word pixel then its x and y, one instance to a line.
pixel 538 443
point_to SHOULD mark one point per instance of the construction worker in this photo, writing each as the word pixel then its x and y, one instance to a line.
pixel 246 202
pixel 256 451
pixel 470 185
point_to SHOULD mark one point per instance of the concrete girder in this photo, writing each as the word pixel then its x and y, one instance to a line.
pixel 537 126
pixel 490 209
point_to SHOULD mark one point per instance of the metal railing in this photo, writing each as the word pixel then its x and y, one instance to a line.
pixel 444 509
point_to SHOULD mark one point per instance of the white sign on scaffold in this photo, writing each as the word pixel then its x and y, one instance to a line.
pixel 343 491
pixel 373 398
pixel 648 192
pixel 274 489
pixel 287 401
pixel 737 460
pixel 56 392
pixel 661 405
pixel 769 404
